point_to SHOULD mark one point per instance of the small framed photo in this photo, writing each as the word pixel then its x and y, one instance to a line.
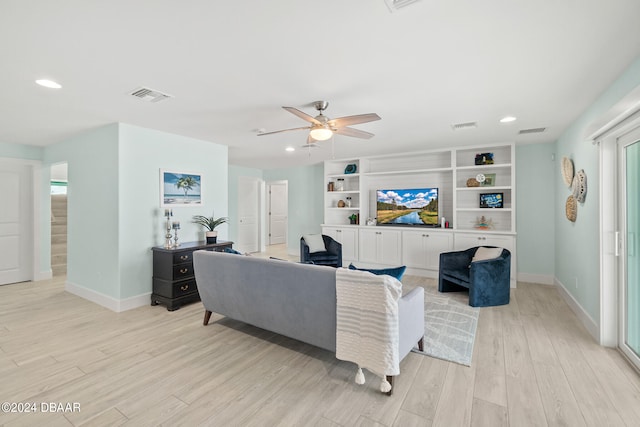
pixel 489 180
pixel 492 200
pixel 180 189
pixel 483 159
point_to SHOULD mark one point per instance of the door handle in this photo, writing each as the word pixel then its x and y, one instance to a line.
pixel 616 249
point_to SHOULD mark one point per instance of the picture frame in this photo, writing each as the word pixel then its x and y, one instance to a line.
pixel 180 188
pixel 483 159
pixel 491 200
pixel 489 180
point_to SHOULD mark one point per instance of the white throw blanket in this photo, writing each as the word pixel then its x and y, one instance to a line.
pixel 367 328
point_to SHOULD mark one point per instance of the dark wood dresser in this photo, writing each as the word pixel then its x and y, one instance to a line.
pixel 174 283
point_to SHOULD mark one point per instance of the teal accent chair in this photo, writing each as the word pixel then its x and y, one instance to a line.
pixel 332 256
pixel 488 281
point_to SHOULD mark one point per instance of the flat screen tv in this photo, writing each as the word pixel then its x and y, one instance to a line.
pixel 491 200
pixel 414 206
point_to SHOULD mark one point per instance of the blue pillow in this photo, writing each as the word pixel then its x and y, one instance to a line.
pixel 232 251
pixel 396 272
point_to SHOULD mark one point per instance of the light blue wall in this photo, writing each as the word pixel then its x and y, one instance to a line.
pixel 19 151
pixel 236 172
pixel 306 213
pixel 92 210
pixel 142 153
pixel 535 209
pixel 577 244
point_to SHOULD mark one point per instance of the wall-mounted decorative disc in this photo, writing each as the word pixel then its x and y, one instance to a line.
pixel 567 171
pixel 571 208
pixel 579 186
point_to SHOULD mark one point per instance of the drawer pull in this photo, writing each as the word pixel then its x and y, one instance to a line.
pixel 183 270
pixel 184 288
pixel 184 257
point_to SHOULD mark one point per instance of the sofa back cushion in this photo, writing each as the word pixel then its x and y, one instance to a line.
pixel 291 299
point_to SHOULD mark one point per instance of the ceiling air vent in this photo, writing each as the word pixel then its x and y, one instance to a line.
pixel 467 125
pixel 532 130
pixel 394 5
pixel 149 95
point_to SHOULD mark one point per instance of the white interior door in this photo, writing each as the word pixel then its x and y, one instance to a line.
pixel 248 214
pixel 278 211
pixel 15 223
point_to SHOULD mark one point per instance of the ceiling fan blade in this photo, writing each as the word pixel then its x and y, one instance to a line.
pixel 283 130
pixel 354 120
pixel 354 132
pixel 303 116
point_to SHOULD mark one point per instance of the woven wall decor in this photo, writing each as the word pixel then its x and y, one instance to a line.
pixel 571 208
pixel 567 171
pixel 579 186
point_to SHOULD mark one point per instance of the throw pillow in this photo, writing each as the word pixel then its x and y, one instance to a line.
pixel 483 253
pixel 232 251
pixel 396 272
pixel 315 242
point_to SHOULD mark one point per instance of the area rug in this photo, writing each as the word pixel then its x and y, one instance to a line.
pixel 450 326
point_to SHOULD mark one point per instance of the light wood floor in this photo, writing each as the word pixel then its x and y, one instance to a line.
pixel 533 364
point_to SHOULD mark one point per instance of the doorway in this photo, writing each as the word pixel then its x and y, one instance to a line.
pixel 58 189
pixel 277 211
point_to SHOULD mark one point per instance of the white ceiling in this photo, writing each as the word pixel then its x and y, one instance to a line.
pixel 231 65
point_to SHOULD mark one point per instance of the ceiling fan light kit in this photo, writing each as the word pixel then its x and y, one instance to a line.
pixel 321 133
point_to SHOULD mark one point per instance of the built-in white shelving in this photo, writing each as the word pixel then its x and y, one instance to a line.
pixel 449 170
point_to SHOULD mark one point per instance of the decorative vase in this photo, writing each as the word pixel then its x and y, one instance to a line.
pixel 212 237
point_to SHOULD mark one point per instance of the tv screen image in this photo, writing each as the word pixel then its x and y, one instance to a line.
pixel 415 206
pixel 491 200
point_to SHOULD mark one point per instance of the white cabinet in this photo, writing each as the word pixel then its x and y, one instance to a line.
pixel 464 241
pixel 380 246
pixel 348 237
pixel 422 249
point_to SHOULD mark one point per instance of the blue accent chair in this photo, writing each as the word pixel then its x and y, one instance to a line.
pixel 488 281
pixel 332 256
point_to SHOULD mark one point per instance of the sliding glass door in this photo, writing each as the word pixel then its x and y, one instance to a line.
pixel 629 244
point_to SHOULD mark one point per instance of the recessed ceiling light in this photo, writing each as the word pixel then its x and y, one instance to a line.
pixel 508 119
pixel 290 149
pixel 49 83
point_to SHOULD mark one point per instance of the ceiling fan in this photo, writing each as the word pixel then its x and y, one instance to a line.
pixel 323 128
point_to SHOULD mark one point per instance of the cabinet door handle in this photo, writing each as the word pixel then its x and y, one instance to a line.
pixel 184 288
pixel 338 231
pixel 183 270
pixel 184 257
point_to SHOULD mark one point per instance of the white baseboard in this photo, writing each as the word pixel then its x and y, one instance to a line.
pixel 543 279
pixel 106 301
pixel 43 275
pixel 583 316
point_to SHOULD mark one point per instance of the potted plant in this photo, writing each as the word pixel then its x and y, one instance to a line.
pixel 353 219
pixel 210 224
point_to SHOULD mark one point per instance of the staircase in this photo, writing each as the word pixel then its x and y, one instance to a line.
pixel 59 234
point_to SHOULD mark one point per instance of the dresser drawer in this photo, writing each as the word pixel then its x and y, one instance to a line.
pixel 174 289
pixel 183 257
pixel 182 271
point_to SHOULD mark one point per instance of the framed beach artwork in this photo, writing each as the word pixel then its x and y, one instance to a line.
pixel 180 189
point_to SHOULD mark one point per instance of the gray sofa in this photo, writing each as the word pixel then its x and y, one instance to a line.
pixel 291 299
